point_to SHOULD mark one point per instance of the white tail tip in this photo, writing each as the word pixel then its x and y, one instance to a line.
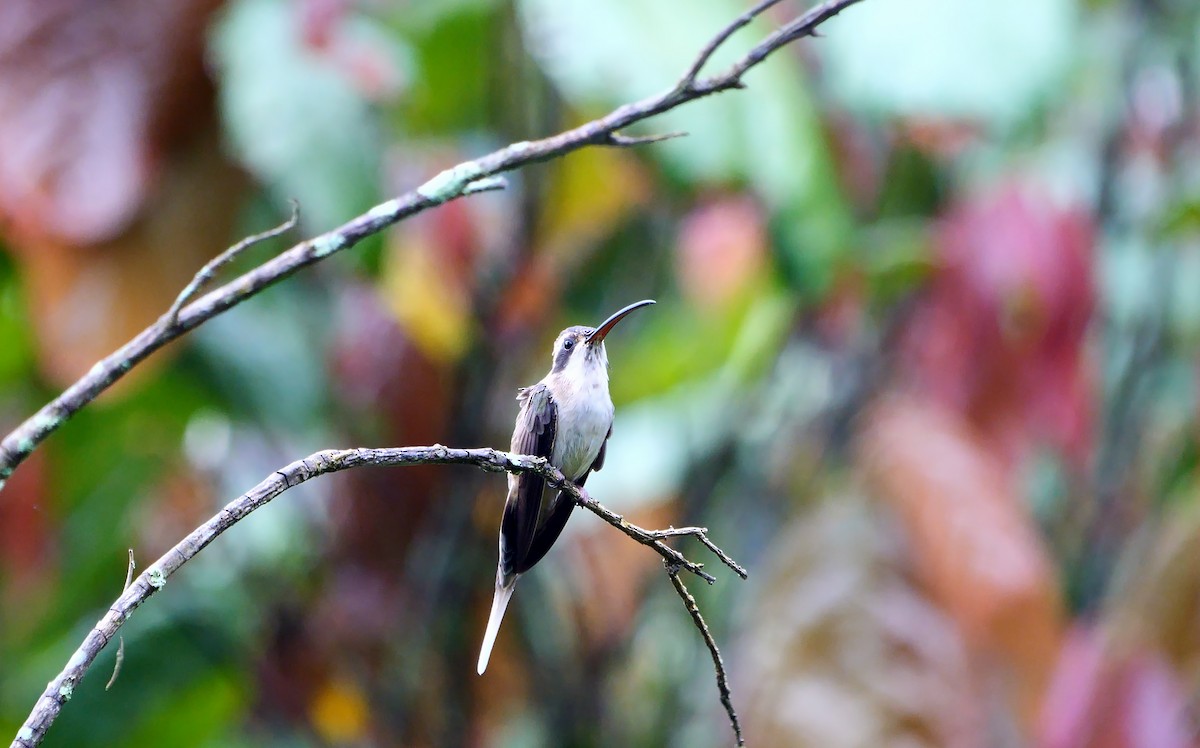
pixel 499 605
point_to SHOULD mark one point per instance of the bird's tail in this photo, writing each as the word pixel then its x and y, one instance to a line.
pixel 499 605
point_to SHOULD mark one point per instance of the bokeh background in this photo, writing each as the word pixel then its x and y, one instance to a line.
pixel 925 360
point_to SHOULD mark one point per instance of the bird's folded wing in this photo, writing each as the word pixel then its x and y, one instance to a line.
pixel 537 425
pixel 554 516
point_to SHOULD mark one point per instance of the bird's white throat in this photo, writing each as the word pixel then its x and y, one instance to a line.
pixel 585 411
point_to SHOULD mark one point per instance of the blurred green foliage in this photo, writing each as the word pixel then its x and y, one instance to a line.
pixel 924 359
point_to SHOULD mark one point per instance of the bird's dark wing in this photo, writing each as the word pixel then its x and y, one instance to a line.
pixel 536 428
pixel 599 461
pixel 558 514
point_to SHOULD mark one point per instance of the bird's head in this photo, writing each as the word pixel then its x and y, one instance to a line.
pixel 584 346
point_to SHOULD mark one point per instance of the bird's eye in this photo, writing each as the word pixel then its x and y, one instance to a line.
pixel 568 344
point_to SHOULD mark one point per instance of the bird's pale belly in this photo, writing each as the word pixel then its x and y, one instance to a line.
pixel 583 425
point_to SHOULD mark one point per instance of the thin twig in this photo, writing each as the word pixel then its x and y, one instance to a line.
pixel 803 26
pixel 450 184
pixel 208 271
pixel 718 664
pixel 689 78
pixel 155 576
pixel 121 643
pixel 700 533
pixel 725 559
pixel 487 184
pixel 620 139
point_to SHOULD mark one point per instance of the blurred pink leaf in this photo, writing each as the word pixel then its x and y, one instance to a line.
pixel 1101 697
pixel 722 247
pixel 1000 335
pixel 90 93
pixel 108 145
pixel 328 28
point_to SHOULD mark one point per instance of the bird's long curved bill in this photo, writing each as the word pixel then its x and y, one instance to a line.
pixel 608 324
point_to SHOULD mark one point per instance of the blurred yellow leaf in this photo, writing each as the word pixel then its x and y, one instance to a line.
pixel 1155 601
pixel 589 193
pixel 339 712
pixel 426 298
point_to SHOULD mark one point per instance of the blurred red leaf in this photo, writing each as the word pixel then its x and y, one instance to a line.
pixel 87 300
pixel 25 536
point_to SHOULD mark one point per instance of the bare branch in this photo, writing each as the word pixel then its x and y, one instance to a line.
pixel 451 184
pixel 208 271
pixel 154 578
pixel 718 664
pixel 121 644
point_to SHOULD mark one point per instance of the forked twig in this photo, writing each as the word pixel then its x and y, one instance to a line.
pixel 718 664
pixel 121 642
pixel 207 272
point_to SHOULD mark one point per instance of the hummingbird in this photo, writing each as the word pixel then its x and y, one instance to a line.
pixel 566 418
